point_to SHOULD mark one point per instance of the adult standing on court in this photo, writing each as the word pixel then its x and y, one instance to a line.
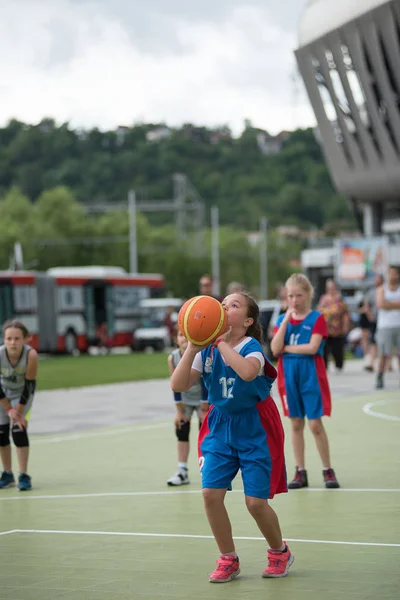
pixel 234 287
pixel 371 311
pixel 388 324
pixel 206 287
pixel 336 313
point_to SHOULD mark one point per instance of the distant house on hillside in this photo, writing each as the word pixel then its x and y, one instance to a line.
pixel 294 231
pixel 289 231
pixel 254 238
pixel 269 144
pixel 46 125
pixel 158 133
pixel 219 134
pixel 195 133
pixel 121 132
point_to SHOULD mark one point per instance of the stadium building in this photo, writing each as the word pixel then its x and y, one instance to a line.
pixel 349 58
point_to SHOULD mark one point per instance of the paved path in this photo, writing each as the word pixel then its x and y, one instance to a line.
pixel 68 410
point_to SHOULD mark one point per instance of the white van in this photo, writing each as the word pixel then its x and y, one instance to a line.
pixel 152 332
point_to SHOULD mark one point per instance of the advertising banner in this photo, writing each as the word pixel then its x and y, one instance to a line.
pixel 358 259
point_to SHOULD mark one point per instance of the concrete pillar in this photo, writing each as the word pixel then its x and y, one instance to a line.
pixel 368 225
pixel 372 219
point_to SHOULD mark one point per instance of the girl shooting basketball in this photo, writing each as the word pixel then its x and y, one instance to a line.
pixel 242 430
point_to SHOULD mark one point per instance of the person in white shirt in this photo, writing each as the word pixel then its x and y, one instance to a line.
pixel 371 312
pixel 388 323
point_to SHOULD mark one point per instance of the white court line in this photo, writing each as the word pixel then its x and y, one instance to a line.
pixel 67 437
pixel 183 492
pixel 8 532
pixel 198 537
pixel 372 413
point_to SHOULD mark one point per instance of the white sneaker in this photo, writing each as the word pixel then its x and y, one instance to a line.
pixel 179 478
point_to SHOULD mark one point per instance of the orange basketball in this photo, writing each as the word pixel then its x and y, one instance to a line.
pixel 202 319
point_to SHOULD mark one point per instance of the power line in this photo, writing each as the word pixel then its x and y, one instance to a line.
pixel 187 204
pixel 109 239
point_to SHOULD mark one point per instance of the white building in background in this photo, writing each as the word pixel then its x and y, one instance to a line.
pixel 271 144
pixel 349 58
pixel 158 133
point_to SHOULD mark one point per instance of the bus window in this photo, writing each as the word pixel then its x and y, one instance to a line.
pixel 6 302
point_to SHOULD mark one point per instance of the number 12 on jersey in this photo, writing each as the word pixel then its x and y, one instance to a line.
pixel 227 385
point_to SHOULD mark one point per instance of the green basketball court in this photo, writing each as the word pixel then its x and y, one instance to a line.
pixel 101 524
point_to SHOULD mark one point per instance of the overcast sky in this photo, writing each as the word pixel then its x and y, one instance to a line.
pixel 104 63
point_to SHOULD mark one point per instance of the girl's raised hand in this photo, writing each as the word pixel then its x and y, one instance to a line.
pixel 288 314
pixel 194 348
pixel 225 337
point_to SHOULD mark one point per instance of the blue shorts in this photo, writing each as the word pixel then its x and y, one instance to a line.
pixel 250 440
pixel 303 387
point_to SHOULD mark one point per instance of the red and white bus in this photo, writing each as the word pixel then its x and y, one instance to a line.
pixel 64 307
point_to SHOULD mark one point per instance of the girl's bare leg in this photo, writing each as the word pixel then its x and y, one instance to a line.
pixel 218 518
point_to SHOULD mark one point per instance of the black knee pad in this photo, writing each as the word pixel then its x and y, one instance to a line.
pixel 5 435
pixel 183 433
pixel 20 437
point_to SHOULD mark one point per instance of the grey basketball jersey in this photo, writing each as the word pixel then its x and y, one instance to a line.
pixel 194 395
pixel 12 379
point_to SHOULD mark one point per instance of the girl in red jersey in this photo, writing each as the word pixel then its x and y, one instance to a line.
pixel 299 340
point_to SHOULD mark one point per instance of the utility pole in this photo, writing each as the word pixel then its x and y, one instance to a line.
pixel 215 249
pixel 133 262
pixel 263 259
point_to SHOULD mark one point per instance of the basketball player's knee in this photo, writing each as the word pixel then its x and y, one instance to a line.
pixel 297 424
pixel 20 438
pixel 212 497
pixel 183 432
pixel 4 435
pixel 316 426
pixel 255 506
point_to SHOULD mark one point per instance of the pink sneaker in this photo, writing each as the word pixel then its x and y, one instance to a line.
pixel 278 563
pixel 227 569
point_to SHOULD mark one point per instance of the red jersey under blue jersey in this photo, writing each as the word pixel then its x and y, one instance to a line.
pixel 300 332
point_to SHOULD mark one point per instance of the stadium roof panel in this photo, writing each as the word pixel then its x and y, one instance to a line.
pixel 321 16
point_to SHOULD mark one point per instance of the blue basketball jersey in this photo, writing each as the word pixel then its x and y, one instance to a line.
pixel 300 333
pixel 226 390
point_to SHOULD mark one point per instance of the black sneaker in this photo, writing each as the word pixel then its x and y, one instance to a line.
pixel 24 482
pixel 299 480
pixel 6 480
pixel 379 381
pixel 330 479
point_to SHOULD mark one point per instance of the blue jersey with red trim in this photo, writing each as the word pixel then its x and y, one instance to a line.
pixel 229 392
pixel 300 332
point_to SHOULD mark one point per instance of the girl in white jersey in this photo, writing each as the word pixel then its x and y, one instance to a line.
pixel 186 403
pixel 18 370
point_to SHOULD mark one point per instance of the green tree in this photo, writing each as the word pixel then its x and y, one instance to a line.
pixel 15 212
